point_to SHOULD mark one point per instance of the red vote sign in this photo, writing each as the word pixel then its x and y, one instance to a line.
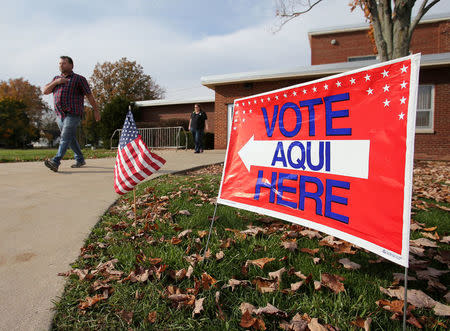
pixel 335 155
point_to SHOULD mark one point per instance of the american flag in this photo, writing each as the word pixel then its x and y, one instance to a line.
pixel 134 161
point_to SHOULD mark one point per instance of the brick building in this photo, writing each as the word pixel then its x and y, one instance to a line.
pixel 155 113
pixel 335 51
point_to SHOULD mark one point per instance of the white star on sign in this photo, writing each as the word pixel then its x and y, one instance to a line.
pixel 243 112
pixel 243 120
pixel 276 97
pixel 249 102
pixel 386 102
pixel 352 81
pixel 235 120
pixel 338 84
pixel 404 68
pixel 268 99
pixel 402 100
pixel 314 89
pixel 367 77
pixel 294 93
pixel 250 111
pixel 403 85
pixel 385 73
pixel 243 104
pixel 285 95
pixel 400 116
pixel 386 88
pixel 254 101
pixel 234 128
pixel 369 91
pixel 262 100
pixel 304 91
pixel 325 87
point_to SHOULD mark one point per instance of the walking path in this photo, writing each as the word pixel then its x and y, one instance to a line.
pixel 45 218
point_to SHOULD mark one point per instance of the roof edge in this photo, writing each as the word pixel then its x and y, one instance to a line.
pixel 167 102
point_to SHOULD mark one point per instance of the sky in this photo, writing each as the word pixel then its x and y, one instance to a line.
pixel 176 41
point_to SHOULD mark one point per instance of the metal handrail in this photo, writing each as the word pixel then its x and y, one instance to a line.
pixel 162 137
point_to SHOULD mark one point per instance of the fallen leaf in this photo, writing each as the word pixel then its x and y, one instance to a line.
pixel 430 229
pixel 309 251
pixel 362 323
pixel 297 324
pixel 151 317
pixel 90 301
pixel 447 297
pixel 423 242
pixel 220 256
pixel 349 264
pixel 329 241
pixel 201 234
pixel 127 316
pixel 344 248
pixel 296 286
pixel 247 321
pixel 314 325
pixel 270 310
pixel 178 275
pixel 189 272
pixel 441 309
pixel 317 285
pixel 401 277
pixel 234 282
pixel 184 233
pixel 277 274
pixel 253 230
pixel 431 236
pixel 430 273
pixel 316 260
pixel 413 321
pixel 175 241
pixel 311 234
pixel 183 299
pixel 207 281
pixel 395 306
pixel 445 240
pixel 184 212
pixel 260 262
pixel 333 282
pixel 417 250
pixel 290 245
pixel 245 306
pixel 198 307
pixel 414 297
pixel 265 285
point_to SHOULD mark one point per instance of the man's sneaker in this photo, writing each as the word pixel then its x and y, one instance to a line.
pixel 51 165
pixel 78 164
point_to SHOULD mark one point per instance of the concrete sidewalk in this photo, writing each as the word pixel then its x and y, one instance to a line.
pixel 45 218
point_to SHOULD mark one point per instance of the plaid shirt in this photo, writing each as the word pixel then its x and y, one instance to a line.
pixel 69 97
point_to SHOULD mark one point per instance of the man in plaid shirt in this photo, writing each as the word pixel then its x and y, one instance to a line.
pixel 69 90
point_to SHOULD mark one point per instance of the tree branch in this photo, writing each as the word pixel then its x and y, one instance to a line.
pixel 422 11
pixel 287 17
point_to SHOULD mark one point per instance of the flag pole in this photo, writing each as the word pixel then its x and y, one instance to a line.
pixel 210 230
pixel 134 204
pixel 405 302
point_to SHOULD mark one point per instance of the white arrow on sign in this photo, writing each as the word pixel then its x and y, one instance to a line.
pixel 347 157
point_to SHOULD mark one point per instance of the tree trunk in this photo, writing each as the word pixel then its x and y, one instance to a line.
pixel 402 36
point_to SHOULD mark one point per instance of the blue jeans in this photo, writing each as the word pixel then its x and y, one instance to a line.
pixel 198 139
pixel 68 127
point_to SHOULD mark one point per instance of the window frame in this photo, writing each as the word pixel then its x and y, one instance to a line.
pixel 429 129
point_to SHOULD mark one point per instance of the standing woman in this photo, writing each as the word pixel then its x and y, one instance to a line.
pixel 197 125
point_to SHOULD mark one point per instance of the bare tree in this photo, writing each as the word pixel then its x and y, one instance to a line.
pixel 390 21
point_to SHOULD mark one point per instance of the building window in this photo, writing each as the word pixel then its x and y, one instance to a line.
pixel 361 58
pixel 425 108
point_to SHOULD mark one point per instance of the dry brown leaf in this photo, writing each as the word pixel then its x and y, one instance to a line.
pixel 311 234
pixel 297 324
pixel 220 256
pixel 437 286
pixel 316 260
pixel 247 321
pixel 151 317
pixel 175 241
pixel 333 282
pixel 309 251
pixel 430 229
pixel 201 234
pixel 349 264
pixel 447 297
pixel 189 272
pixel 401 277
pixel 415 297
pixel 207 281
pixel 183 299
pixel 329 241
pixel 417 250
pixel 234 282
pixel 296 286
pixel 362 323
pixel 90 301
pixel 317 285
pixel 314 325
pixel 395 306
pixel 260 262
pixel 344 248
pixel 445 240
pixel 245 306
pixel 430 273
pixel 184 233
pixel 127 316
pixel 277 274
pixel 290 245
pixel 198 307
pixel 270 310
pixel 431 236
pixel 265 285
pixel 184 212
pixel 441 309
pixel 178 275
pixel 423 242
pixel 253 230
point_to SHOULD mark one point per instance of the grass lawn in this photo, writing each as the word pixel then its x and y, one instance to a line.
pixel 149 273
pixel 26 155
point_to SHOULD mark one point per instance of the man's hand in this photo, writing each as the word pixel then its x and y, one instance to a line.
pixel 61 80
